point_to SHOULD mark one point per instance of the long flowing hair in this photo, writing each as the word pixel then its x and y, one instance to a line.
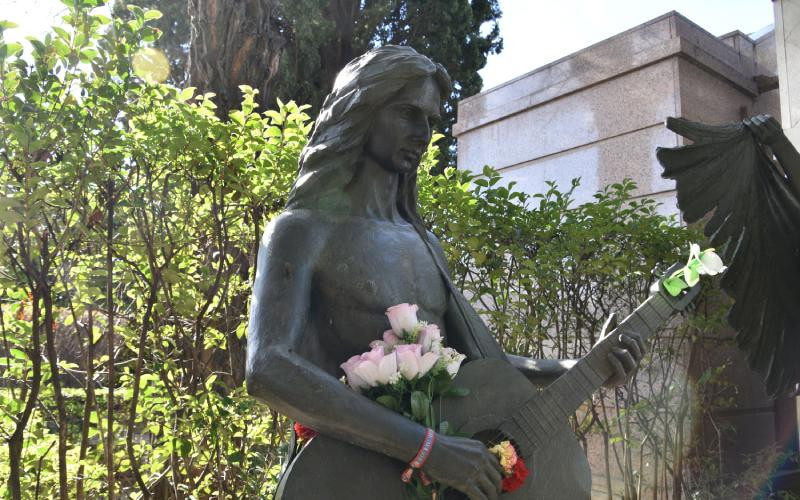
pixel 333 155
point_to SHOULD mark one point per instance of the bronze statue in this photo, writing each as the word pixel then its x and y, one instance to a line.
pixel 351 243
pixel 729 170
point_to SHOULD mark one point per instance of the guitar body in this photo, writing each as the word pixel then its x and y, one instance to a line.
pixel 334 470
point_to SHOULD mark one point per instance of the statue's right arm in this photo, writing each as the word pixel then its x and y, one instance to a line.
pixel 291 383
pixel 298 387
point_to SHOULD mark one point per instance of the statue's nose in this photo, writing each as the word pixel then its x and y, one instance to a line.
pixel 422 132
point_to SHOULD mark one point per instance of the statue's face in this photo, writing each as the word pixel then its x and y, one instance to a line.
pixel 402 128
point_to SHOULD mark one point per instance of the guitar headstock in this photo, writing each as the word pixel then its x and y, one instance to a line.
pixel 680 302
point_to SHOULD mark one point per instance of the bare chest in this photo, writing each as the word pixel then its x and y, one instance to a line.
pixel 368 266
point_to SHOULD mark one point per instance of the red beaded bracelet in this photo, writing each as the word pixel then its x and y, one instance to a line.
pixel 419 459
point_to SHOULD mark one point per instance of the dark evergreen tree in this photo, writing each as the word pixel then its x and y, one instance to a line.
pixel 306 42
pixel 234 43
pixel 323 35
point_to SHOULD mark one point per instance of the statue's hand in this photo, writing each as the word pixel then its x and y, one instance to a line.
pixel 466 465
pixel 766 129
pixel 625 356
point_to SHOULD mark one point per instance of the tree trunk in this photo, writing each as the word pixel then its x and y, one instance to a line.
pixel 61 412
pixel 15 442
pixel 234 42
pixel 109 450
pixel 339 51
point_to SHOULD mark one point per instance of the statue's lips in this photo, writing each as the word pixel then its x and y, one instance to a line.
pixel 411 154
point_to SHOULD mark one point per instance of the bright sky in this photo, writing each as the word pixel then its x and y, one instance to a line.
pixel 535 32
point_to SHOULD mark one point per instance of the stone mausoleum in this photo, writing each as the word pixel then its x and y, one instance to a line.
pixel 599 113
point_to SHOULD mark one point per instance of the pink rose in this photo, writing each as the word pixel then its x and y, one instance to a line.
pixel 427 362
pixel 412 363
pixel 370 369
pixel 430 338
pixel 387 368
pixel 390 338
pixel 403 318
pixel 353 380
pixel 374 355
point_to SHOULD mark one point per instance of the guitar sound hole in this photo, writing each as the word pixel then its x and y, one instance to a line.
pixel 489 437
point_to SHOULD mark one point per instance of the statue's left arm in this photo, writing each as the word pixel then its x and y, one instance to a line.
pixel 468 334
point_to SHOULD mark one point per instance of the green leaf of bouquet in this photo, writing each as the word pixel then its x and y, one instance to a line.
pixel 420 406
pixel 389 402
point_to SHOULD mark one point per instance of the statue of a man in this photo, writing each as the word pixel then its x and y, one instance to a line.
pixel 350 244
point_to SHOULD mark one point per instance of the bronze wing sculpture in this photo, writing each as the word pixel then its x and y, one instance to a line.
pixel 754 201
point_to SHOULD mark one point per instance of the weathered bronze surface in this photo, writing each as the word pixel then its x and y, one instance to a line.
pixel 350 244
pixel 729 170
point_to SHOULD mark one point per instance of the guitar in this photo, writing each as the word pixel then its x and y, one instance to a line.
pixel 502 404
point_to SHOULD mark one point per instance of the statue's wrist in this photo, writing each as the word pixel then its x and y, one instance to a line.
pixel 422 455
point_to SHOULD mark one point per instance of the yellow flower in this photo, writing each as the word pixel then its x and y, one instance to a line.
pixel 507 455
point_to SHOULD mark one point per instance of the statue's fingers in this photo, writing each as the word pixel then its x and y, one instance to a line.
pixel 619 371
pixel 631 345
pixel 489 487
pixel 495 462
pixel 626 358
pixel 642 344
pixel 473 492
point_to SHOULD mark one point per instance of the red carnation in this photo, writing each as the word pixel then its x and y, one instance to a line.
pixel 517 477
pixel 304 433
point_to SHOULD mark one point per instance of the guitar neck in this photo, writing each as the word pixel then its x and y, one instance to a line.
pixel 543 414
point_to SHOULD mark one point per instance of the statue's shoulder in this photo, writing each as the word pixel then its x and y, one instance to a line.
pixel 297 228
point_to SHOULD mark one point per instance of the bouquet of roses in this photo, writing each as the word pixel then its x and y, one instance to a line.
pixel 408 368
pixel 405 372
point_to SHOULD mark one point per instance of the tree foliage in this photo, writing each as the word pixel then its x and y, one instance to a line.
pixel 130 220
pixel 324 35
pixel 314 39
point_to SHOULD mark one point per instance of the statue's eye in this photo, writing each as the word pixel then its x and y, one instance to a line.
pixel 405 112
